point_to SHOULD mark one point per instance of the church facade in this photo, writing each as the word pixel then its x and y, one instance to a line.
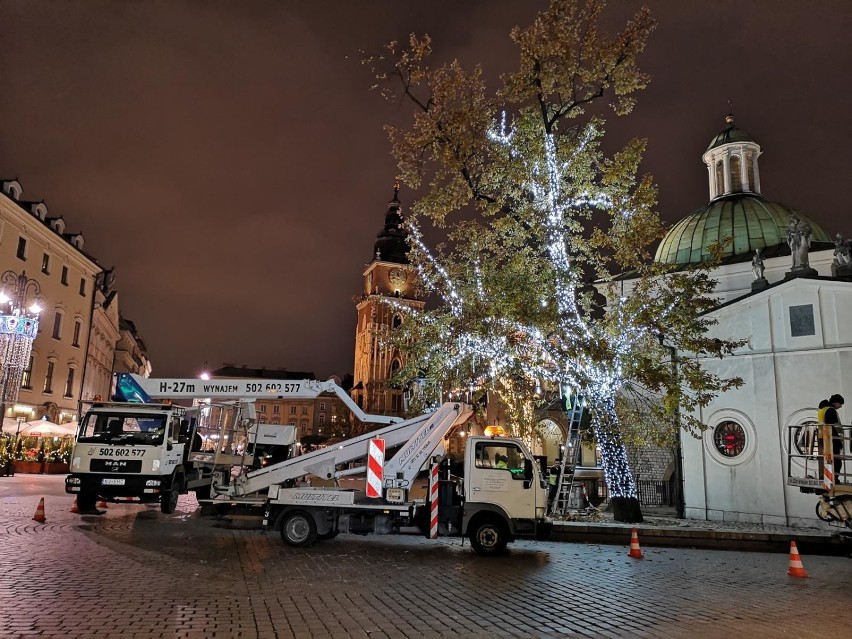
pixel 792 308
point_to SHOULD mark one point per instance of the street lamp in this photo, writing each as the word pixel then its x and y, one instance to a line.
pixel 19 309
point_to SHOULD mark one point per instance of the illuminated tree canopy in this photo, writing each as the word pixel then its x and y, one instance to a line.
pixel 533 211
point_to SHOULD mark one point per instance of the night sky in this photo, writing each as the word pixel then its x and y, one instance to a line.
pixel 228 158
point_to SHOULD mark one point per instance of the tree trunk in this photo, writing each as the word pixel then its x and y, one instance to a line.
pixel 623 494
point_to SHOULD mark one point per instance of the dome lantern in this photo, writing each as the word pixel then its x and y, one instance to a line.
pixel 731 161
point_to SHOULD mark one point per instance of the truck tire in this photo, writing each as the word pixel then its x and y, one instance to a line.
pixel 169 499
pixel 488 537
pixel 298 529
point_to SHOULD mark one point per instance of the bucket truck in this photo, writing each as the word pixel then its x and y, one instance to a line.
pixel 141 450
pixel 494 494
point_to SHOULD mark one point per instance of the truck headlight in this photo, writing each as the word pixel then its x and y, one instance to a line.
pixel 152 482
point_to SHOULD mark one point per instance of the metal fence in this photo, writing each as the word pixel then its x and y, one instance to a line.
pixel 656 493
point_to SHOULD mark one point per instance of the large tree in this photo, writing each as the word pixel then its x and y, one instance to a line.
pixel 533 209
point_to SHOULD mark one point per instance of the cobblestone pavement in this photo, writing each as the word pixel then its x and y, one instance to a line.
pixel 136 573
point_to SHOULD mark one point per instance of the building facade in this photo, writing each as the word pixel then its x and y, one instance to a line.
pixel 38 245
pixel 316 419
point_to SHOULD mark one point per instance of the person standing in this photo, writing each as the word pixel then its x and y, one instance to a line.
pixel 833 419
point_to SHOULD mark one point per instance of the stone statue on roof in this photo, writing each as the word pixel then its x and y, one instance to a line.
pixel 757 264
pixel 799 240
pixel 842 251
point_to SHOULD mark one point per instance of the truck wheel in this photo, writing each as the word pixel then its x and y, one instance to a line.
pixel 488 538
pixel 87 502
pixel 298 529
pixel 169 499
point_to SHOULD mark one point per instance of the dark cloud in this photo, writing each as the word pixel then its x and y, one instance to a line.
pixel 229 159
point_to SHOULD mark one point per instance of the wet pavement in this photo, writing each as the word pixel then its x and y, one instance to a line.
pixel 137 573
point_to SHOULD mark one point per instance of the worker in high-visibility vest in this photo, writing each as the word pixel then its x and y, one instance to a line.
pixel 553 481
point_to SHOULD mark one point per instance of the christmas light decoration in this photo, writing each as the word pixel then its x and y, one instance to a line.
pixel 18 329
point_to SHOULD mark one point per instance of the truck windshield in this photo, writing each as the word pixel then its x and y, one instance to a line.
pixel 120 428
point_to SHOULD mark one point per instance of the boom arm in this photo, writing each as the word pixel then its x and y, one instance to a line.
pixel 419 438
pixel 246 389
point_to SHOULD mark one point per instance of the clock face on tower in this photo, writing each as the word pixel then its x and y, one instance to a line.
pixel 397 278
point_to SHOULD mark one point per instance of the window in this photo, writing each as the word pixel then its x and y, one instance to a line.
pixel 736 174
pixel 276 409
pixel 83 286
pixel 22 248
pixel 48 378
pixel 322 418
pixel 720 179
pixel 304 410
pixel 729 438
pixel 500 456
pixel 322 405
pixel 76 340
pixel 292 410
pixel 57 325
pixel 263 408
pixel 69 383
pixel 64 277
pixel 292 422
pixel 45 264
pixel 27 375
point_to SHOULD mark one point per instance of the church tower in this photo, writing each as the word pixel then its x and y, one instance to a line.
pixel 388 275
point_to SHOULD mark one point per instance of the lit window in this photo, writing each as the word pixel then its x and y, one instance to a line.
pixel 45 264
pixel 69 383
pixel 729 438
pixel 27 375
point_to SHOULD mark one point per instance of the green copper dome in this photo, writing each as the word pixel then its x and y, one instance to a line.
pixel 750 221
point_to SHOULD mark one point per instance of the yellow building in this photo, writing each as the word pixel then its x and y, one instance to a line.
pixel 63 278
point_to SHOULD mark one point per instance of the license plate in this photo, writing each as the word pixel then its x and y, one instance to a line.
pixel 112 481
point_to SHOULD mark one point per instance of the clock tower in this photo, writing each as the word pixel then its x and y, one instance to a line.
pixel 388 276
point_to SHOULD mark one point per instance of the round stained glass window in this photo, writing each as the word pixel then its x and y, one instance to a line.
pixel 729 439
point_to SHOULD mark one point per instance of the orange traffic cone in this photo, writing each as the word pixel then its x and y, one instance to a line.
pixel 795 567
pixel 74 508
pixel 101 504
pixel 39 513
pixel 635 550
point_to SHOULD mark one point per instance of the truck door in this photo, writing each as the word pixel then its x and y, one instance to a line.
pixel 497 477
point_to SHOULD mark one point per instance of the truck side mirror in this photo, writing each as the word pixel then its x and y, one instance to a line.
pixel 528 472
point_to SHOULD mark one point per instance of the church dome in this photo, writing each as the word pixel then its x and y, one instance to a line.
pixel 737 210
pixel 392 241
pixel 749 220
pixel 730 134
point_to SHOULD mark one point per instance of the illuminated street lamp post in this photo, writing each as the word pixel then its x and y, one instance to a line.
pixel 18 329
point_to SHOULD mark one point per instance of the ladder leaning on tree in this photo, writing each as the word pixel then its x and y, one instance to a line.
pixel 570 458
